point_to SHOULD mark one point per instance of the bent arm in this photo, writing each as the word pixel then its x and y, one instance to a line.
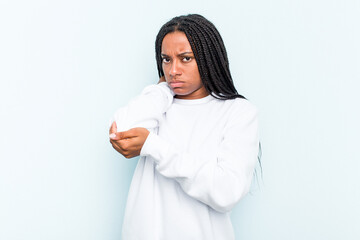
pixel 145 110
pixel 219 181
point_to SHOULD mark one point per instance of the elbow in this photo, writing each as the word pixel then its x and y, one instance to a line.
pixel 225 202
pixel 223 208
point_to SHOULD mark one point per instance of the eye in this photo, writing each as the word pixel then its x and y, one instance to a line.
pixel 166 60
pixel 187 59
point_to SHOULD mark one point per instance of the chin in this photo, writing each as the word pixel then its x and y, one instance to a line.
pixel 180 92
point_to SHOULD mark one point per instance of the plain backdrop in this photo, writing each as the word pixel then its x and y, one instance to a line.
pixel 66 66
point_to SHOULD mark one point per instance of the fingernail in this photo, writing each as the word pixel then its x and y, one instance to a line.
pixel 113 135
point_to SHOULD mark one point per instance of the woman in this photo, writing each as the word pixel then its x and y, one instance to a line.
pixel 197 138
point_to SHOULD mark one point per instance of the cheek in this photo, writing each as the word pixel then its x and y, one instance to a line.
pixel 166 72
pixel 196 76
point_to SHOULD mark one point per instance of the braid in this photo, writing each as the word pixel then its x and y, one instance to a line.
pixel 209 51
pixel 210 55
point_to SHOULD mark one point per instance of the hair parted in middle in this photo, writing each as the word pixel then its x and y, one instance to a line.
pixel 209 51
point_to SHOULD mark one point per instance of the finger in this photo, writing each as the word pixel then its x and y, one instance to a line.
pixel 128 153
pixel 123 144
pixel 128 134
pixel 113 130
pixel 115 136
pixel 117 147
pixel 122 135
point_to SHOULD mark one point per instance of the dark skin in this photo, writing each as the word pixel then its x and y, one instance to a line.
pixel 180 68
pixel 128 143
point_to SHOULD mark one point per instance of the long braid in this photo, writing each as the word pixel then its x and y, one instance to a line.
pixel 210 57
pixel 218 70
pixel 217 43
pixel 209 54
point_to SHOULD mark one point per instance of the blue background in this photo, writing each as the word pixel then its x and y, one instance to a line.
pixel 66 66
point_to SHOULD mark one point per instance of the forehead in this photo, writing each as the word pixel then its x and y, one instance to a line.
pixel 175 42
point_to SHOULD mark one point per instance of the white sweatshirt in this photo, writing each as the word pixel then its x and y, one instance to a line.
pixel 195 165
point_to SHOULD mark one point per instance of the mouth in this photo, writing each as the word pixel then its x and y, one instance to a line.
pixel 175 84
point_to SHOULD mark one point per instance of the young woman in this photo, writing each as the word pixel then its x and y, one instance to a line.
pixel 197 138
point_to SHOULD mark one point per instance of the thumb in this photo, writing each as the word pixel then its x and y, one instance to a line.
pixel 127 134
pixel 122 135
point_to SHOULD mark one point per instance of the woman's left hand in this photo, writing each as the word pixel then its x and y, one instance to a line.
pixel 128 143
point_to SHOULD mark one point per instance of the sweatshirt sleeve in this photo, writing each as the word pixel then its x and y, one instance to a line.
pixel 146 109
pixel 221 180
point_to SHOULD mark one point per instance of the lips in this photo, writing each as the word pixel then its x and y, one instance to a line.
pixel 175 84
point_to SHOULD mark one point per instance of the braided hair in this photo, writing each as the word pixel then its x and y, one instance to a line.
pixel 209 51
pixel 210 55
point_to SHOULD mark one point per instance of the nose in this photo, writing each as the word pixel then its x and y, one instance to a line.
pixel 175 69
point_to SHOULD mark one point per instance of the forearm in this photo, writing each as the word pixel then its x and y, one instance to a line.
pixel 217 178
pixel 145 110
pixel 218 181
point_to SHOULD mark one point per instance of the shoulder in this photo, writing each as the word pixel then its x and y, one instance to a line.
pixel 241 106
pixel 242 117
pixel 240 114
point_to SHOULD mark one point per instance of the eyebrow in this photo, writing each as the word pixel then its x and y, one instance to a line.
pixel 181 54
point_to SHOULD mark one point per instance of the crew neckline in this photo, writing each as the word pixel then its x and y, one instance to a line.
pixel 194 101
